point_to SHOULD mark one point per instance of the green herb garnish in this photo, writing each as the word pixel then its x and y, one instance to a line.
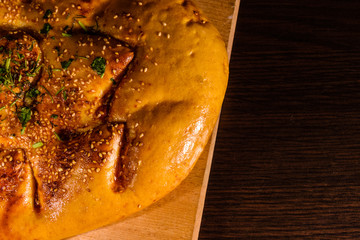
pixel 47 91
pixel 37 145
pixel 32 45
pixel 20 56
pixel 66 34
pixel 65 95
pixel 12 104
pixel 54 116
pixel 47 14
pixel 59 91
pixel 46 28
pixel 10 90
pixel 66 64
pixel 99 65
pixel 33 93
pixel 57 136
pixel 82 26
pixel 113 81
pixel 7 64
pixel 24 116
pixel 57 48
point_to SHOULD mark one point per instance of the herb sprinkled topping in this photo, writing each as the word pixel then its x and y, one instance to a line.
pixel 66 64
pixel 37 145
pixel 47 91
pixel 24 115
pixel 31 95
pixel 46 28
pixel 47 14
pixel 57 136
pixel 66 34
pixel 99 65
pixel 31 46
pixel 82 26
pixel 65 95
pixel 113 81
pixel 59 91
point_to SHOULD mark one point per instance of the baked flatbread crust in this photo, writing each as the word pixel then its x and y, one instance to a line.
pixel 121 140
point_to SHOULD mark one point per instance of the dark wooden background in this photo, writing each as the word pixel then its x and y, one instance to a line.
pixel 287 158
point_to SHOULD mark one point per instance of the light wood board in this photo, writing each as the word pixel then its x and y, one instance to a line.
pixel 178 215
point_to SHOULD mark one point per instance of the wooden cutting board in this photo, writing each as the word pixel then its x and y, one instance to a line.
pixel 178 215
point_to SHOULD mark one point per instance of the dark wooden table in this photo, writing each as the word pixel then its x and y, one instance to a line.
pixel 287 158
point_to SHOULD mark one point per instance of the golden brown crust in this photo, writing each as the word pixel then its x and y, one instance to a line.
pixel 142 145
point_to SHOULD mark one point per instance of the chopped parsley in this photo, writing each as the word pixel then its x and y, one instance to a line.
pixel 6 77
pixel 31 46
pixel 10 90
pixel 12 104
pixel 37 145
pixel 24 115
pixel 46 28
pixel 113 81
pixel 20 56
pixel 32 93
pixel 99 65
pixel 82 26
pixel 7 64
pixel 47 91
pixel 57 48
pixel 65 95
pixel 47 14
pixel 66 64
pixel 57 136
pixel 66 34
pixel 54 116
pixel 59 91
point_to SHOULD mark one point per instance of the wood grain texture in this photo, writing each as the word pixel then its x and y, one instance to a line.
pixel 178 215
pixel 287 157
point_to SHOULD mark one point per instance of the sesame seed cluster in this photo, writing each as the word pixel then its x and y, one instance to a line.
pixel 12 172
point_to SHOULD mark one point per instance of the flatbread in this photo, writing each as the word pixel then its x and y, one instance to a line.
pixel 105 106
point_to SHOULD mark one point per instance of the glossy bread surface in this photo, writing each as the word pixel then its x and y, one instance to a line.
pixel 105 108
